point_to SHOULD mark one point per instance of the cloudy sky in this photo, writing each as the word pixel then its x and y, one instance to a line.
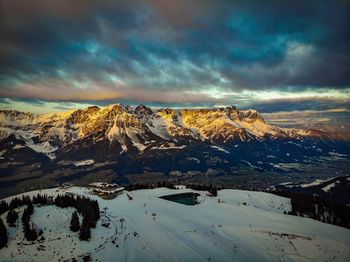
pixel 274 56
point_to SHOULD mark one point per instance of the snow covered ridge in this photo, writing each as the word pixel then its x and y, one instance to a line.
pixel 242 226
pixel 133 128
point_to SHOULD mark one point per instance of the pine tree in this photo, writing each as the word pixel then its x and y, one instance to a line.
pixel 85 233
pixel 96 210
pixel 89 215
pixel 3 234
pixel 30 208
pixel 12 217
pixel 29 233
pixel 74 222
pixel 25 216
pixel 26 228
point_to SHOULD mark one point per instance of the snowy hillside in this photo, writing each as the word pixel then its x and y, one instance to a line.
pixel 234 226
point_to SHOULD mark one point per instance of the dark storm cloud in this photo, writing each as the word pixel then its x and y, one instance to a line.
pixel 150 50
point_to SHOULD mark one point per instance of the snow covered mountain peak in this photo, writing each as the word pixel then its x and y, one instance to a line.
pixel 140 127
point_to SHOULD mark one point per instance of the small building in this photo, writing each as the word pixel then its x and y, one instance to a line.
pixel 104 189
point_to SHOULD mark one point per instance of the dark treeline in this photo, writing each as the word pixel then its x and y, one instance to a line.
pixel 15 202
pixel 3 234
pixel 29 229
pixel 88 208
pixel 149 186
pixel 211 189
pixel 22 201
pixel 318 208
pixel 12 217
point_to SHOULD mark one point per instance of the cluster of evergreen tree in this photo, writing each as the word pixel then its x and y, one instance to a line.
pixel 12 217
pixel 88 208
pixel 15 203
pixel 41 199
pixel 149 186
pixel 139 186
pixel 22 201
pixel 3 207
pixel 165 184
pixel 85 232
pixel 318 208
pixel 29 231
pixel 74 222
pixel 211 189
pixel 3 234
pixel 85 206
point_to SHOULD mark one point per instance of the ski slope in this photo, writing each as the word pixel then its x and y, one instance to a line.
pixel 241 226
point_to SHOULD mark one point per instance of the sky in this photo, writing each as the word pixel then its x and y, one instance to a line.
pixel 273 56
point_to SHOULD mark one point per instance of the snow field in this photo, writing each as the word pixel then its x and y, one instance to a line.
pixel 242 226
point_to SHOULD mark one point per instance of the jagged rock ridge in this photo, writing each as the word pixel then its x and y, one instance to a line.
pixel 141 127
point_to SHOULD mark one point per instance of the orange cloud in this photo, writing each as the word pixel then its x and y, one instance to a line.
pixel 52 89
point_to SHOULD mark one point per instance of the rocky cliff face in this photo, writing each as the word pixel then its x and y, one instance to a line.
pixel 141 127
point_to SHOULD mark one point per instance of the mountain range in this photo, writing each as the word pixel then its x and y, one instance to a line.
pixel 136 144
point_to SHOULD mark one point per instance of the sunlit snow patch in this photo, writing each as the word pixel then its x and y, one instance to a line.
pixel 84 162
pixel 316 182
pixel 220 149
pixel 169 146
pixel 18 146
pixel 45 148
pixel 328 187
pixel 139 146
